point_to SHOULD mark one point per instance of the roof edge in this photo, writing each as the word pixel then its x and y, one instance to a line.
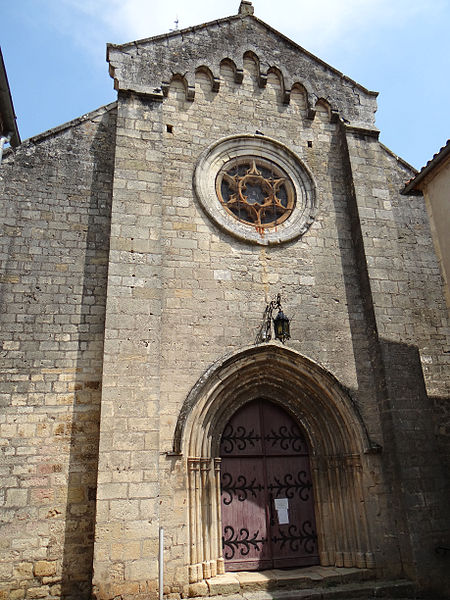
pixel 59 128
pixel 319 60
pixel 170 34
pixel 411 187
pixel 7 102
pixel 398 158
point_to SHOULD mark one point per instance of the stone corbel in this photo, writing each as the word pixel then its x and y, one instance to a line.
pixel 190 93
pixel 165 85
pixel 334 116
pixel 286 96
pixel 262 80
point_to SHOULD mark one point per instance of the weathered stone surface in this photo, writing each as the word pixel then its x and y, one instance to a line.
pixel 38 592
pixel 61 186
pixel 223 585
pixel 23 570
pixel 45 568
pixel 199 589
pixel 253 580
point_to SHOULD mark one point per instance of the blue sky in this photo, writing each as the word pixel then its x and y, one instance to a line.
pixel 54 51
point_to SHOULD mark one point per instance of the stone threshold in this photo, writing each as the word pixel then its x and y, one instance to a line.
pixel 309 582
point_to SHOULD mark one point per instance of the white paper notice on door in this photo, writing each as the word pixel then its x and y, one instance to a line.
pixel 282 506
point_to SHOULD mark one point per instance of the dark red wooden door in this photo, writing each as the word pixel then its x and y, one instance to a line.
pixel 267 499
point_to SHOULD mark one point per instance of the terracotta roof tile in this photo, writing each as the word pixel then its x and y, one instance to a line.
pixel 411 185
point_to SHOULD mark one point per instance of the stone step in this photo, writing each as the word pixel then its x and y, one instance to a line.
pixel 313 583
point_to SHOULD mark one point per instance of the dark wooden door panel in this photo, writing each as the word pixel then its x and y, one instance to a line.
pixel 242 435
pixel 292 527
pixel 245 534
pixel 282 435
pixel 266 490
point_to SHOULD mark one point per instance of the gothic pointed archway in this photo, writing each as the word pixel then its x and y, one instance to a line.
pixel 336 437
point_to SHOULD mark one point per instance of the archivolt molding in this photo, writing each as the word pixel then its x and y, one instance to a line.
pixel 306 390
pixel 237 69
pixel 188 81
pixel 215 81
pixel 334 429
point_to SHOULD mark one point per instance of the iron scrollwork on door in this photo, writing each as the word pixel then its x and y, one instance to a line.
pixel 267 498
pixel 240 541
pixel 239 488
pixel 287 439
pixel 295 538
pixel 290 486
pixel 239 438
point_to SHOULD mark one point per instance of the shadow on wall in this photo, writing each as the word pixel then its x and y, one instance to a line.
pixel 405 422
pixel 84 443
pixel 419 466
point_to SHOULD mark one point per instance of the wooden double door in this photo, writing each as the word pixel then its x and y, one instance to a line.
pixel 266 491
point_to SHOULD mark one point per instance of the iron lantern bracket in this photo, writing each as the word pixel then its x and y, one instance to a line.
pixel 280 323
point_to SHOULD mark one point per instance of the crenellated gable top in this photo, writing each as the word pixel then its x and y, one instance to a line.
pixel 148 66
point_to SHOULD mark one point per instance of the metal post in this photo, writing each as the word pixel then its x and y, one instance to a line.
pixel 161 563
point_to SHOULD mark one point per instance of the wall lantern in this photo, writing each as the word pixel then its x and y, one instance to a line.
pixel 281 324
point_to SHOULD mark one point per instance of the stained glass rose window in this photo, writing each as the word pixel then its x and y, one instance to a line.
pixel 256 191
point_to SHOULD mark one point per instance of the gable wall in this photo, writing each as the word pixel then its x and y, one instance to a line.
pixel 148 65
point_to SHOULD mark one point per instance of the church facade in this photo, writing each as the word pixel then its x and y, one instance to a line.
pixel 142 244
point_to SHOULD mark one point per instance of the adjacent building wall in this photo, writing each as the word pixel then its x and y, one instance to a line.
pixel 433 182
pixel 436 192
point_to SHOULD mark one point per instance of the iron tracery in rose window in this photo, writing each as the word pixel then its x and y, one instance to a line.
pixel 255 191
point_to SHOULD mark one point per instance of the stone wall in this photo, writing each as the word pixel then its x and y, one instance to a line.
pixel 128 472
pixel 405 304
pixel 56 201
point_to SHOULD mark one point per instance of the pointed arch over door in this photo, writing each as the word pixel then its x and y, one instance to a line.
pixel 336 437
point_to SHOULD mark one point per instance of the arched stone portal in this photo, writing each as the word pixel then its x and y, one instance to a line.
pixel 336 436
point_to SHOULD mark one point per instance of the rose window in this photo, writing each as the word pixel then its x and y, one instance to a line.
pixel 255 191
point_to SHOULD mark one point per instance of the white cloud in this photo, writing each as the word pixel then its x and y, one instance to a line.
pixel 327 23
pixel 321 24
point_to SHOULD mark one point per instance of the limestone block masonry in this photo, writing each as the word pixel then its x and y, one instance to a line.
pixel 56 205
pixel 131 304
